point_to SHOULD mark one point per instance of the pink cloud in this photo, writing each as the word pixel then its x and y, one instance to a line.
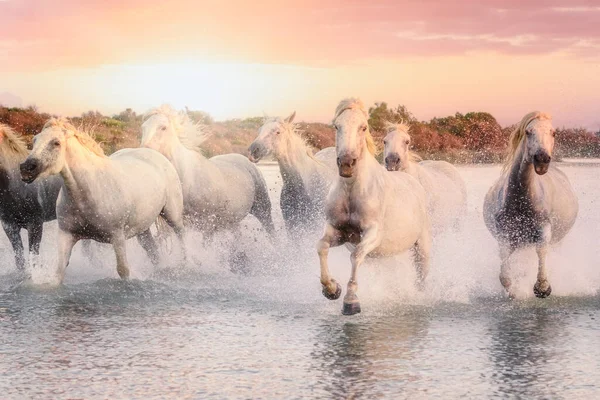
pixel 47 34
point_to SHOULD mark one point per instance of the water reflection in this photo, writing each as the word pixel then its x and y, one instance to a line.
pixel 364 357
pixel 526 350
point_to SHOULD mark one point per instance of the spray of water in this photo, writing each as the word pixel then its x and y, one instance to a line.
pixel 465 264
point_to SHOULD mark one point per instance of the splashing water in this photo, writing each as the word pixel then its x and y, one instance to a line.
pixel 244 317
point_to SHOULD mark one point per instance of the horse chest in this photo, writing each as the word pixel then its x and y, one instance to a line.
pixel 520 222
pixel 347 216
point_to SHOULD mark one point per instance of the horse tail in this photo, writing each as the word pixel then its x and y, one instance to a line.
pixel 261 207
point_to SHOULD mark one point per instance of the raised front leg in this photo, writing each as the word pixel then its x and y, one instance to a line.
pixel 542 287
pixel 119 245
pixel 13 232
pixel 331 238
pixel 66 241
pixel 369 242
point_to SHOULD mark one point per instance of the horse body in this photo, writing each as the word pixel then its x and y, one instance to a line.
pixel 218 192
pixel 533 203
pixel 23 206
pixel 107 199
pixel 306 178
pixel 445 188
pixel 378 212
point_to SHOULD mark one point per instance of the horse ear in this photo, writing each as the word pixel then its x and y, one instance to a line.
pixel 290 119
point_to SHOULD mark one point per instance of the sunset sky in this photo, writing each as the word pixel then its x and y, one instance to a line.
pixel 240 58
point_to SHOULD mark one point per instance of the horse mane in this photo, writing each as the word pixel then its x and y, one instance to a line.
pixel 294 136
pixel 190 133
pixel 82 137
pixel 516 137
pixel 353 103
pixel 402 127
pixel 12 146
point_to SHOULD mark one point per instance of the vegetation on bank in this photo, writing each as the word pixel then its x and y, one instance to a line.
pixel 464 138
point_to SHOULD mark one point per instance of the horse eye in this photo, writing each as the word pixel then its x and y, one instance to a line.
pixel 408 141
pixel 528 132
pixel 364 128
pixel 385 142
pixel 278 132
pixel 163 128
pixel 553 133
pixel 56 143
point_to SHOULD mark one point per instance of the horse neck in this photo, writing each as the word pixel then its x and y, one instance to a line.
pixel 367 170
pixel 294 161
pixel 410 167
pixel 521 177
pixel 78 171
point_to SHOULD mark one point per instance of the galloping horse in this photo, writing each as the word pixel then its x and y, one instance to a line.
pixel 306 178
pixel 23 206
pixel 381 213
pixel 532 204
pixel 107 199
pixel 446 190
pixel 218 192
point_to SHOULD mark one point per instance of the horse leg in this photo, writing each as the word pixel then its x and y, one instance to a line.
pixel 421 250
pixel 173 217
pixel 369 242
pixel 331 238
pixel 506 251
pixel 542 287
pixel 66 241
pixel 119 245
pixel 34 231
pixel 261 207
pixel 13 232
pixel 149 245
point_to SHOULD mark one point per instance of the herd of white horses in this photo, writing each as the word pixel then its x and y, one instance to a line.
pixel 375 210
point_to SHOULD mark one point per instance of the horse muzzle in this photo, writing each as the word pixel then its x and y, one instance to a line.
pixel 392 162
pixel 541 163
pixel 30 170
pixel 256 152
pixel 346 165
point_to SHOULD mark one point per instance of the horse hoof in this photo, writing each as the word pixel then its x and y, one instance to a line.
pixel 351 308
pixel 539 293
pixel 335 295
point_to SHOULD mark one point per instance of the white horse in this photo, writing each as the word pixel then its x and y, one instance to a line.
pixel 532 204
pixel 446 190
pixel 107 199
pixel 218 192
pixel 306 178
pixel 381 213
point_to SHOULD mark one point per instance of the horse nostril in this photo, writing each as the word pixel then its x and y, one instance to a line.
pixel 353 162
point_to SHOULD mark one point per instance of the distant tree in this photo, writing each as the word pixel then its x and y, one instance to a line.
pixel 126 116
pixel 200 116
pixel 380 113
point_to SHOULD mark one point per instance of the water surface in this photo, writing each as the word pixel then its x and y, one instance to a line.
pixel 263 330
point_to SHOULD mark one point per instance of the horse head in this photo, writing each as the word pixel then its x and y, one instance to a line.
pixel 271 137
pixel 396 147
pixel 47 157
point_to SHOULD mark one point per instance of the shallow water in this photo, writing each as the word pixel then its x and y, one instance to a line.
pixel 265 331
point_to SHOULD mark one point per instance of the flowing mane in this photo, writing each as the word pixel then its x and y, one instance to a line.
pixel 83 138
pixel 516 137
pixel 356 104
pixel 12 147
pixel 190 134
pixel 402 127
pixel 293 136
